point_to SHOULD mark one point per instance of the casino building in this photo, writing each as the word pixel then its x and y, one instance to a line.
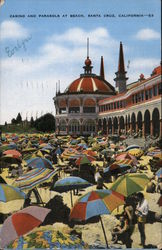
pixel 91 103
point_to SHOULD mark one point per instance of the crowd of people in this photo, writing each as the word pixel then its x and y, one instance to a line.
pixel 63 153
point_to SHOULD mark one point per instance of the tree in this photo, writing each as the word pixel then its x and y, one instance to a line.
pixel 32 122
pixel 18 118
pixel 45 123
pixel 13 121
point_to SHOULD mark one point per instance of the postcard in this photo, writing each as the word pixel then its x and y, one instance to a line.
pixel 80 124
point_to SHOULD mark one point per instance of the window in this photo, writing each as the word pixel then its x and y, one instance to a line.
pixel 150 93
pixel 62 125
pixel 121 104
pixel 155 90
pixel 74 126
pixel 62 111
pixel 89 126
pixel 111 105
pixel 89 109
pixel 117 104
pixel 146 94
pixel 142 95
pixel 159 88
pixel 114 105
pixel 74 109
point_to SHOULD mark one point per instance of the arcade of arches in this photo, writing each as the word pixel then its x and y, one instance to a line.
pixel 75 126
pixel 148 123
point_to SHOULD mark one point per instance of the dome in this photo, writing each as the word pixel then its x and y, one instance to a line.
pixel 90 84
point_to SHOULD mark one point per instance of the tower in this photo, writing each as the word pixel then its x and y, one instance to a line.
pixel 121 73
pixel 102 73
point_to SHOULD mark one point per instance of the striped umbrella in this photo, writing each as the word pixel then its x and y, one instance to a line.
pixel 34 178
pixel 132 147
pixel 130 183
pixel 9 193
pixel 96 203
pixel 126 156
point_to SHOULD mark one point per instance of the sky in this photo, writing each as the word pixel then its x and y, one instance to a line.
pixel 37 51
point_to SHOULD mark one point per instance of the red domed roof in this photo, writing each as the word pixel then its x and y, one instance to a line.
pixel 90 84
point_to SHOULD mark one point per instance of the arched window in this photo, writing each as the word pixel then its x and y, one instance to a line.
pixel 147 122
pixel 89 106
pixel 156 122
pixel 74 126
pixel 74 106
pixel 62 125
pixel 89 126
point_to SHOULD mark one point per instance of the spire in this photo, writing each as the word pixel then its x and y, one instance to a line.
pixel 121 73
pixel 87 47
pixel 87 68
pixel 102 73
pixel 121 67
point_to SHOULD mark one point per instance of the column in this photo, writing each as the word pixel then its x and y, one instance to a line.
pixel 107 129
pixel 81 105
pixel 112 128
pixel 67 106
pixel 126 128
pixel 151 128
pixel 130 128
pixel 136 127
pixel 118 128
pixel 67 126
pixel 143 129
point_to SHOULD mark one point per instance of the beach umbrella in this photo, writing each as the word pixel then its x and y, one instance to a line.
pixel 21 223
pixel 39 162
pixel 13 153
pixel 70 183
pixel 83 145
pixel 34 178
pixel 9 193
pixel 159 173
pixel 96 203
pixel 126 156
pixel 58 151
pixel 116 168
pixel 37 154
pixel 27 150
pixel 132 147
pixel 86 159
pixel 130 183
pixel 137 152
pixel 90 152
pixel 46 238
pixel 10 159
pixel 124 162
